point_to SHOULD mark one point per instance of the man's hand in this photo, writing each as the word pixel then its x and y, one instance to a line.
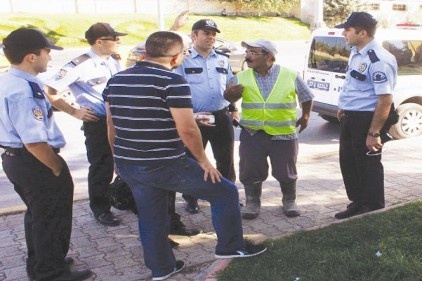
pixel 373 143
pixel 210 171
pixel 340 114
pixel 233 92
pixel 202 120
pixel 180 21
pixel 85 114
pixel 303 123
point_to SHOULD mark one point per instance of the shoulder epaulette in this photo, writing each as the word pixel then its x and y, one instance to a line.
pixel 80 59
pixel 116 56
pixel 372 56
pixel 221 53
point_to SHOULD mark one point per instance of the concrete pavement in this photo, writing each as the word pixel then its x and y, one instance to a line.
pixel 114 253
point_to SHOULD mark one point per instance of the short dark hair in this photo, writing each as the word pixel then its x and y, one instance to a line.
pixel 370 30
pixel 160 43
pixel 15 56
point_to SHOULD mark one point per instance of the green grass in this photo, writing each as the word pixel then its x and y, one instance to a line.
pixel 68 30
pixel 343 252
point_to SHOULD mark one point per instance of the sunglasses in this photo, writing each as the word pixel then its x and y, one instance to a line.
pixel 112 38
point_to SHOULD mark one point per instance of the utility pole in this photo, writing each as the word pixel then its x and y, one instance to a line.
pixel 319 15
pixel 160 16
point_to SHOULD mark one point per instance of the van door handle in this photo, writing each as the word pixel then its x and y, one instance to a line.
pixel 341 76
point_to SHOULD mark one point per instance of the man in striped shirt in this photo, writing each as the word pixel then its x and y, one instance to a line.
pixel 150 121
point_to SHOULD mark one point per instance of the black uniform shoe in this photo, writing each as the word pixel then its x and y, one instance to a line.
pixel 74 275
pixel 69 261
pixel 192 206
pixel 353 209
pixel 30 270
pixel 184 231
pixel 108 219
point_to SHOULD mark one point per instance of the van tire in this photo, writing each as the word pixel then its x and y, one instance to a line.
pixel 410 121
pixel 329 118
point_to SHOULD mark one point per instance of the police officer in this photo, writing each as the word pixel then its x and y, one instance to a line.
pixel 86 77
pixel 208 72
pixel 364 105
pixel 32 141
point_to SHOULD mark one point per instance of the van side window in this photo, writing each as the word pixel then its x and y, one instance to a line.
pixel 408 55
pixel 329 54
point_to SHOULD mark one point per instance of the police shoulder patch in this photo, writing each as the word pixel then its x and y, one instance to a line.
pixel 37 112
pixel 379 77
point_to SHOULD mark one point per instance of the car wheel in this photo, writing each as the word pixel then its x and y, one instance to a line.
pixel 410 121
pixel 328 118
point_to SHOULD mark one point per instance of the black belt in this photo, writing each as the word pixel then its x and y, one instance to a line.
pixel 224 110
pixel 357 113
pixel 11 151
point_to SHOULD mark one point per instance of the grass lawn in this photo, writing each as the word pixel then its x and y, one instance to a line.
pixel 68 30
pixel 377 247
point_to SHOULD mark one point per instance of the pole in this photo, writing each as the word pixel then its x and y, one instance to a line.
pixel 160 16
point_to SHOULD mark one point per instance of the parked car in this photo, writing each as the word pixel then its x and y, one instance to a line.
pixel 325 71
pixel 236 53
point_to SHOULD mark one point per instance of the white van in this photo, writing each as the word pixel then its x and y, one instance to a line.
pixel 325 72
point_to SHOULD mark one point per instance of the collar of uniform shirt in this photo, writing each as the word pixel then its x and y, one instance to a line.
pixel 98 60
pixel 194 53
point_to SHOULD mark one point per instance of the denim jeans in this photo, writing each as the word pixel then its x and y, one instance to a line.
pixel 150 186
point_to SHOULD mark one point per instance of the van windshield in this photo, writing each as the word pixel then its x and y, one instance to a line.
pixel 329 54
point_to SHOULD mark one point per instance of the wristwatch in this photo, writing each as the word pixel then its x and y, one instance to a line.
pixel 375 135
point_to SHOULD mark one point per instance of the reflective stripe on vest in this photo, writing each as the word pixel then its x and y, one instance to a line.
pixel 278 114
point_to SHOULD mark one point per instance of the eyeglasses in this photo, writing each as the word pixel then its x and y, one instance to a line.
pixel 253 53
pixel 114 38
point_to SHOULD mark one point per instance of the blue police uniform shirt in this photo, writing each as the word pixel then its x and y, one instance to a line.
pixel 366 80
pixel 26 115
pixel 86 80
pixel 207 78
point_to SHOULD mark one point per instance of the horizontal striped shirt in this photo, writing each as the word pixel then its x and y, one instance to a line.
pixel 140 99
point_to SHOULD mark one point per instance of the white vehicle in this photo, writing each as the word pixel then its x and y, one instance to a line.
pixel 325 71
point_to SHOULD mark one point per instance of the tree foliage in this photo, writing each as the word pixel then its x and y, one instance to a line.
pixel 337 11
pixel 264 6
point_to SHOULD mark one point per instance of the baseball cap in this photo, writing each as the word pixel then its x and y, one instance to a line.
pixel 360 19
pixel 101 29
pixel 261 43
pixel 205 24
pixel 28 39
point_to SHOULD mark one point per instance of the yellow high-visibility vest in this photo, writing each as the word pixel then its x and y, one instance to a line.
pixel 278 114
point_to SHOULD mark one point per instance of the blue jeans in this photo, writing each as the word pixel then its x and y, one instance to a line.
pixel 150 186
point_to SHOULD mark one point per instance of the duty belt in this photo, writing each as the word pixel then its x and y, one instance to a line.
pixel 10 151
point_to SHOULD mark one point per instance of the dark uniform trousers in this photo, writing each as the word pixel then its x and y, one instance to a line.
pixel 363 175
pixel 101 167
pixel 48 219
pixel 221 138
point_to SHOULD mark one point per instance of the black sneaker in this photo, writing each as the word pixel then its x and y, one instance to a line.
pixel 179 266
pixel 250 250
